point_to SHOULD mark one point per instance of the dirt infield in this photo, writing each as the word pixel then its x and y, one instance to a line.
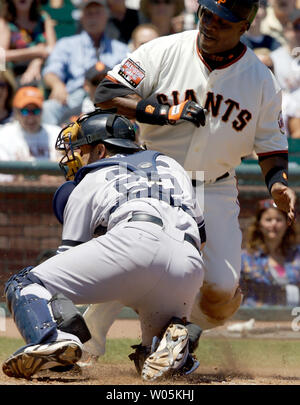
pixel 229 373
pixel 124 328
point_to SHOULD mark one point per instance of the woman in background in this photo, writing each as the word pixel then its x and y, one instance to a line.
pixel 7 90
pixel 28 36
pixel 270 272
pixel 163 14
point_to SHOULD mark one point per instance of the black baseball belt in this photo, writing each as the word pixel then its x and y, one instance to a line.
pixel 158 221
pixel 194 182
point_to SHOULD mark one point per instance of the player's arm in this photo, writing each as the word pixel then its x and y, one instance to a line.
pixel 274 167
pixel 125 105
pixel 112 94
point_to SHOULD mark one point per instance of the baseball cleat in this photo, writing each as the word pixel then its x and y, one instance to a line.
pixel 30 359
pixel 170 354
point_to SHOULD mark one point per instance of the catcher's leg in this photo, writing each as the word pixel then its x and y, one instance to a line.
pixel 52 327
pixel 168 343
pixel 163 310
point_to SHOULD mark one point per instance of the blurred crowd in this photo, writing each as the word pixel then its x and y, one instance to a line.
pixel 58 51
pixel 56 54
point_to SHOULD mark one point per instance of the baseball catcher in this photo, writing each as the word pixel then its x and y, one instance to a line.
pixel 147 258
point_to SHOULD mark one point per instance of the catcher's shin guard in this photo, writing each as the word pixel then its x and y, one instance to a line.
pixel 30 312
pixel 38 319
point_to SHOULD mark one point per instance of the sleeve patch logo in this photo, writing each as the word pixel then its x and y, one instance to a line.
pixel 132 73
pixel 281 123
pixel 149 109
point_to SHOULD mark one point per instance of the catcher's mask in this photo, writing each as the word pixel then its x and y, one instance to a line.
pixel 232 10
pixel 91 129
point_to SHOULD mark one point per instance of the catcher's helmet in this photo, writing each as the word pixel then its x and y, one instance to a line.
pixel 100 126
pixel 232 10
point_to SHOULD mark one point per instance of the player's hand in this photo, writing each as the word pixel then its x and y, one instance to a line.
pixel 285 199
pixel 188 111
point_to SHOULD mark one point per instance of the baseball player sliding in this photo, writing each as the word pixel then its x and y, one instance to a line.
pixel 148 257
pixel 163 85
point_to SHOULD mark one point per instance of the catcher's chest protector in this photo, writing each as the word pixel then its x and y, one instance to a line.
pixel 143 163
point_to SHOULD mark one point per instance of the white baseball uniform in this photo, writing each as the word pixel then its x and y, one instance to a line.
pixel 243 101
pixel 148 267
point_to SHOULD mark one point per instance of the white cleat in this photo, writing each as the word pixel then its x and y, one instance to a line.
pixel 171 353
pixel 28 360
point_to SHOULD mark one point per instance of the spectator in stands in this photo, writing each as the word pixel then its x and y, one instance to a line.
pixel 27 36
pixel 63 14
pixel 93 77
pixel 74 55
pixel 264 55
pixel 254 38
pixel 142 34
pixel 122 20
pixel 26 138
pixel 161 14
pixel 7 89
pixel 287 67
pixel 278 15
pixel 292 114
pixel 271 261
pixel 286 58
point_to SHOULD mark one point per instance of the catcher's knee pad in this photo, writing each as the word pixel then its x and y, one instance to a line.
pixel 68 318
pixel 38 318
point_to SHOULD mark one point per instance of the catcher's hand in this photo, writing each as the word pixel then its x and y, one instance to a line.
pixel 188 111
